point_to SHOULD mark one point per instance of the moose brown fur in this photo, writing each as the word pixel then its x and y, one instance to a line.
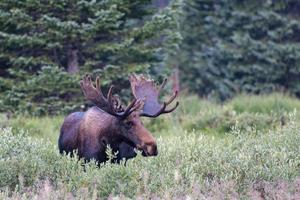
pixel 109 123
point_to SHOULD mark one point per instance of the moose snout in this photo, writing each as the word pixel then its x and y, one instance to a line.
pixel 150 150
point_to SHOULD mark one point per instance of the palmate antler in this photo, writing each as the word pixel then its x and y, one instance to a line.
pixel 148 91
pixel 110 104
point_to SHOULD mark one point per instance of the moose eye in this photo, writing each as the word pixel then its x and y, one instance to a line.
pixel 130 124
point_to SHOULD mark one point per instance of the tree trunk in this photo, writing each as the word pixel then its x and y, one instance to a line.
pixel 73 67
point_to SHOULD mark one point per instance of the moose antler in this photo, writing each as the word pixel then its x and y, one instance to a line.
pixel 94 94
pixel 143 88
pixel 110 104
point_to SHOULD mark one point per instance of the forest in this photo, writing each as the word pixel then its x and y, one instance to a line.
pixel 235 65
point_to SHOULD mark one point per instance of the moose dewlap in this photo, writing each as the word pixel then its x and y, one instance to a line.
pixel 109 122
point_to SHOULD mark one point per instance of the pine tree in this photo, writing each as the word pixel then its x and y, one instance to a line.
pixel 194 72
pixel 73 33
pixel 243 46
pixel 112 38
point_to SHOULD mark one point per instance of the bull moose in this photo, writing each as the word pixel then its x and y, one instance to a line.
pixel 109 123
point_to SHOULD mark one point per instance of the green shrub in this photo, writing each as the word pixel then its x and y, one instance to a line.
pixel 46 127
pixel 199 114
pixel 261 112
pixel 28 159
pixel 186 160
pixel 266 104
pixel 246 150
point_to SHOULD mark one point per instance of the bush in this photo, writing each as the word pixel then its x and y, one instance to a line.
pixel 262 112
pixel 185 161
pixel 265 104
pixel 24 160
pixel 45 127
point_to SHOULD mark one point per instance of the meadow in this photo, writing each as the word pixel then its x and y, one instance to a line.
pixel 246 148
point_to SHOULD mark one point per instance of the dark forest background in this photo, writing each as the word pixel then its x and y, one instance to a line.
pixel 216 49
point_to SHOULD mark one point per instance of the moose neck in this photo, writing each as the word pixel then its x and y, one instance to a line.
pixel 102 125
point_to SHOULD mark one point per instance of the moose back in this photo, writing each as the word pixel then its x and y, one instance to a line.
pixel 109 123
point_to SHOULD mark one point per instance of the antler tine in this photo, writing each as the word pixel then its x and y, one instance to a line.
pixel 130 106
pixel 162 85
pixel 91 92
pixel 129 109
pixel 163 110
pixel 172 109
pixel 172 97
pixel 156 114
pixel 97 83
pixel 109 94
pixel 138 105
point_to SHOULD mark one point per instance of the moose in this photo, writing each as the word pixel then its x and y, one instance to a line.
pixel 110 123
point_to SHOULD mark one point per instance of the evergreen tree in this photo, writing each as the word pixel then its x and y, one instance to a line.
pixel 242 46
pixel 111 37
pixel 73 33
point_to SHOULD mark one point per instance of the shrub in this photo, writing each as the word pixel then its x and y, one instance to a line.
pixel 218 190
pixel 239 161
pixel 243 112
pixel 45 127
pixel 265 104
pixel 263 113
pixel 28 159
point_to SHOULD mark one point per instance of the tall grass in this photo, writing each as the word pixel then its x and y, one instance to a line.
pixel 206 151
pixel 45 127
pixel 272 103
pixel 262 112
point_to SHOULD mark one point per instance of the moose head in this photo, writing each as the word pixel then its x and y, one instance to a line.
pixel 112 123
pixel 145 103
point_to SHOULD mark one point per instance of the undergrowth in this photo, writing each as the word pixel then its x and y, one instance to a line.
pixel 242 159
pixel 261 112
pixel 206 151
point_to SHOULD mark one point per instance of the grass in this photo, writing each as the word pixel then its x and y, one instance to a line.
pixel 206 151
pixel 39 127
pixel 262 112
pixel 275 103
